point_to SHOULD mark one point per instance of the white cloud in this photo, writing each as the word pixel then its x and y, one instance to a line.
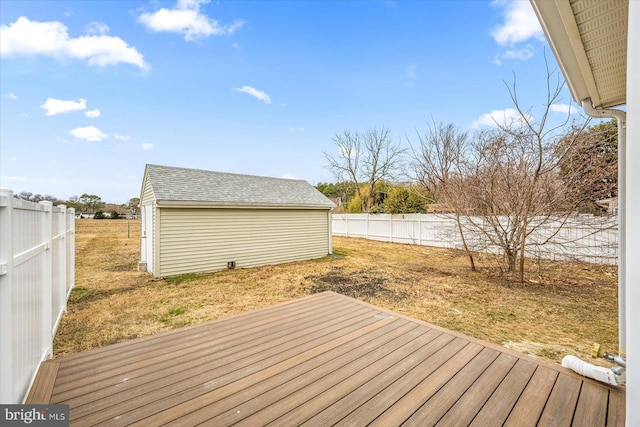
pixel 255 93
pixel 520 23
pixel 58 106
pixel 11 95
pixel 294 129
pixel 563 108
pixel 97 28
pixel 92 113
pixel 288 175
pixel 89 133
pixel 146 146
pixel 496 118
pixel 121 137
pixel 186 19
pixel 522 54
pixel 25 37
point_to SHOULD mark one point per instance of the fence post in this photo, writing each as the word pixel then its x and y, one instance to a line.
pixel 61 248
pixel 70 233
pixel 367 226
pixel 391 227
pixel 7 386
pixel 46 234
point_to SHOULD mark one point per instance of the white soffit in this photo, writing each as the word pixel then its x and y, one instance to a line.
pixel 589 40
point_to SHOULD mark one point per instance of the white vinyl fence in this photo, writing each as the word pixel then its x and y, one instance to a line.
pixel 581 238
pixel 36 276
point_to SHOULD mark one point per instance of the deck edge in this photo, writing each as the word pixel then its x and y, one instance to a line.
pixel 42 387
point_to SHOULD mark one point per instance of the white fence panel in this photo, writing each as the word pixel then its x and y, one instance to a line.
pixel 36 277
pixel 582 238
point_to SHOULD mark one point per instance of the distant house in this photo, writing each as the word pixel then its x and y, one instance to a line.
pixel 610 204
pixel 202 221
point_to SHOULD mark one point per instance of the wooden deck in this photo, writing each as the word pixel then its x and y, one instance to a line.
pixel 322 360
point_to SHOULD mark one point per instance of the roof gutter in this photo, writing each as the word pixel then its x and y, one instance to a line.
pixel 621 119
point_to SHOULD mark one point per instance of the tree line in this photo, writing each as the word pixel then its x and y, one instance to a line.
pixel 86 204
pixel 388 197
pixel 502 183
pixel 586 167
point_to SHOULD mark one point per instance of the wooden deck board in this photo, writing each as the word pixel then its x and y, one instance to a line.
pixel 562 402
pixel 616 410
pixel 189 359
pixel 439 370
pixel 472 401
pixel 433 409
pixel 195 340
pixel 592 406
pixel 295 386
pixel 497 408
pixel 256 396
pixel 44 382
pixel 354 377
pixel 321 360
pixel 533 399
pixel 185 390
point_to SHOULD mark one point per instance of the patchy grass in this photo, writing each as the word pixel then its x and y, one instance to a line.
pixel 172 313
pixel 563 310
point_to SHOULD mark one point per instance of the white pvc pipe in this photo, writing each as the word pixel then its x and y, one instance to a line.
pixel 621 118
pixel 605 375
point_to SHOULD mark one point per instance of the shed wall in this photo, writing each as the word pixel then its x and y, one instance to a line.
pixel 147 228
pixel 147 193
pixel 147 236
pixel 203 240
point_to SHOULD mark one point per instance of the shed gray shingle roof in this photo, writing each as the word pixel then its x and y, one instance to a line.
pixel 172 184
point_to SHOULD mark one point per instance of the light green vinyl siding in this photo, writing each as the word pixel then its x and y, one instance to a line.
pixel 147 226
pixel 147 192
pixel 203 240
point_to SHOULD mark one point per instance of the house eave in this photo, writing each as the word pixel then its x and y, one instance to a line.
pixel 561 30
pixel 560 25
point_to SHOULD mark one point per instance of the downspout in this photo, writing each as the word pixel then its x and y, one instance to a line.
pixel 621 118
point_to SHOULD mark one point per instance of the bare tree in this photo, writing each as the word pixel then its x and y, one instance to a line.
pixel 537 141
pixel 514 191
pixel 365 159
pixel 504 184
pixel 439 167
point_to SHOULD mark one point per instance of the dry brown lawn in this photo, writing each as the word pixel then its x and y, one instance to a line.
pixel 562 309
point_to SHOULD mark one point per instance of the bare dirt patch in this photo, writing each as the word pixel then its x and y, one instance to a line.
pixel 361 284
pixel 562 308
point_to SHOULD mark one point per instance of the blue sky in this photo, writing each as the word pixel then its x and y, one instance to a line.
pixel 91 91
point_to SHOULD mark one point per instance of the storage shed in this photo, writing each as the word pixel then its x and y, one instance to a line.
pixel 197 221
